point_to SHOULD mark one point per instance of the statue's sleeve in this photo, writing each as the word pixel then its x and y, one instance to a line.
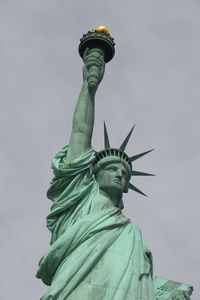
pixel 72 182
pixel 68 170
pixel 66 173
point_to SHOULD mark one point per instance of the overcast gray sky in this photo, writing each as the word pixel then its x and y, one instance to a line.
pixel 153 81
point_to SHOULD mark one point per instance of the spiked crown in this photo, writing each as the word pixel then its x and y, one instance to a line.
pixel 113 154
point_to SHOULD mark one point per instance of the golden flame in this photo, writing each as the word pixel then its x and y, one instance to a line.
pixel 101 29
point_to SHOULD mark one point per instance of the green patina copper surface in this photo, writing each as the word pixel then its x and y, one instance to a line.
pixel 95 253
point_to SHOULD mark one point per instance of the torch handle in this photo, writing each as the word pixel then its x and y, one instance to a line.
pixel 93 72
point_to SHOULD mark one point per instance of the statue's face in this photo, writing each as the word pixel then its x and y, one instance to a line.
pixel 112 178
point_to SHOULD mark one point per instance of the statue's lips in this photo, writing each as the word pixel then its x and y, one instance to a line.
pixel 118 181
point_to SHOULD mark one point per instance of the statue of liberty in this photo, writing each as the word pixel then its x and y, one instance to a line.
pixel 95 252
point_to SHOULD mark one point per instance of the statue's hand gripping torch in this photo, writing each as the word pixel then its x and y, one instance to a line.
pixel 94 66
pixel 99 44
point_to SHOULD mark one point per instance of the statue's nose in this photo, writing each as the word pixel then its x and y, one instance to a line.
pixel 119 173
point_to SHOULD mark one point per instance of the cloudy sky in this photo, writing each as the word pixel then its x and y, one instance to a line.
pixel 153 82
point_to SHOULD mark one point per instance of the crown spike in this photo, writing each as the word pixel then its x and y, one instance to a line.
pixel 106 139
pixel 134 188
pixel 135 157
pixel 125 142
pixel 138 173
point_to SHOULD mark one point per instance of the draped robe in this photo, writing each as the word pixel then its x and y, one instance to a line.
pixel 96 253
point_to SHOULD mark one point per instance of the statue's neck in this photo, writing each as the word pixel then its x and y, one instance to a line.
pixel 114 198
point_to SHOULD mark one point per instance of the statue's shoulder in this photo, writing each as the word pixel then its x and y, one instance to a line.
pixel 136 228
pixel 138 235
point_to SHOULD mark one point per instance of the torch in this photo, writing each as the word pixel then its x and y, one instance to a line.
pixel 97 40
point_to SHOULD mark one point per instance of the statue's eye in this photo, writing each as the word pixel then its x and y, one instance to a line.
pixel 112 169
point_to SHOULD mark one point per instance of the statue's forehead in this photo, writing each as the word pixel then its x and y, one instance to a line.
pixel 115 164
pixel 112 160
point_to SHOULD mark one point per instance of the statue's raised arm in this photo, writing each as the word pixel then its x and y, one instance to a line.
pixel 83 119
